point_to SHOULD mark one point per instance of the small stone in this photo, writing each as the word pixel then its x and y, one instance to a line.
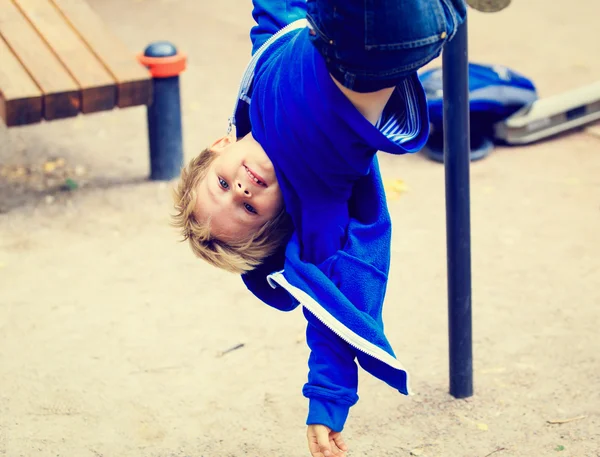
pixel 49 199
pixel 79 170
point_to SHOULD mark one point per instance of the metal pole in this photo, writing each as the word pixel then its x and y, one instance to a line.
pixel 458 236
pixel 164 114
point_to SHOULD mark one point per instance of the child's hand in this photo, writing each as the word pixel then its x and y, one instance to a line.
pixel 322 442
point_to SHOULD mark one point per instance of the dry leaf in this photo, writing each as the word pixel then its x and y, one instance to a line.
pixel 479 425
pixel 394 188
pixel 49 167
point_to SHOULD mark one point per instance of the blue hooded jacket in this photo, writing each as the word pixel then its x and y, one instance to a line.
pixel 337 261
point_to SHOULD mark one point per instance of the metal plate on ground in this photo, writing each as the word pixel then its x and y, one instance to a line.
pixel 488 6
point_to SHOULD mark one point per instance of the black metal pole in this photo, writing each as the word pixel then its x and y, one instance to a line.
pixel 458 226
pixel 164 114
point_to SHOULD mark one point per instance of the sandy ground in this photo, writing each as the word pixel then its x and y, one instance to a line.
pixel 111 332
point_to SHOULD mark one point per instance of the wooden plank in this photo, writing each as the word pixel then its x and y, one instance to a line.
pixel 20 97
pixel 98 88
pixel 61 92
pixel 133 79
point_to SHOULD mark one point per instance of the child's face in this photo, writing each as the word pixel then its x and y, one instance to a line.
pixel 240 192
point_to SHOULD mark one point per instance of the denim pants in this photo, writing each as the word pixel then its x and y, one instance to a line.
pixel 367 44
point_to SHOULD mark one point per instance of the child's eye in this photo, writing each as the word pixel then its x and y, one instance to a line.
pixel 250 208
pixel 223 184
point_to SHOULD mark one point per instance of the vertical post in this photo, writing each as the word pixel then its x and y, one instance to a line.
pixel 164 114
pixel 458 226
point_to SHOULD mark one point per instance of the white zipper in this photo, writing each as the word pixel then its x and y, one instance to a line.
pixel 249 72
pixel 350 337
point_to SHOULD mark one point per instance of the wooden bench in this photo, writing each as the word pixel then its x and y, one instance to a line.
pixel 58 59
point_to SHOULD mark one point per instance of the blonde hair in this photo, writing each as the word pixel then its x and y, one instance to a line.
pixel 236 257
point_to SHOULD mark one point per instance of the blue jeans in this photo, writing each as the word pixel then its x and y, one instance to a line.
pixel 368 44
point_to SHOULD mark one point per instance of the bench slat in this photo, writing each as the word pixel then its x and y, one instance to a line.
pixel 61 92
pixel 98 88
pixel 134 81
pixel 20 97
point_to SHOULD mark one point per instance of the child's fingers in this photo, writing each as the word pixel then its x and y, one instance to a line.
pixel 315 440
pixel 339 441
pixel 323 441
pixel 336 451
pixel 314 449
pixel 313 446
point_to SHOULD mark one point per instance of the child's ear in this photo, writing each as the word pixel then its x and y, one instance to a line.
pixel 222 143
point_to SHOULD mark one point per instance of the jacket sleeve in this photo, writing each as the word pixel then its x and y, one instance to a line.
pixel 333 376
pixel 273 15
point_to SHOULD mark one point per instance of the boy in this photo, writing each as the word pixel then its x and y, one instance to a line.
pixel 294 201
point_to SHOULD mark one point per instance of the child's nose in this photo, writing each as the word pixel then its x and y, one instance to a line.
pixel 244 189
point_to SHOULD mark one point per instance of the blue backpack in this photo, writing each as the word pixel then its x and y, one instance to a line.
pixel 495 93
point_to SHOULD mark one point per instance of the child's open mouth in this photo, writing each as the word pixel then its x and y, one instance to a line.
pixel 254 177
